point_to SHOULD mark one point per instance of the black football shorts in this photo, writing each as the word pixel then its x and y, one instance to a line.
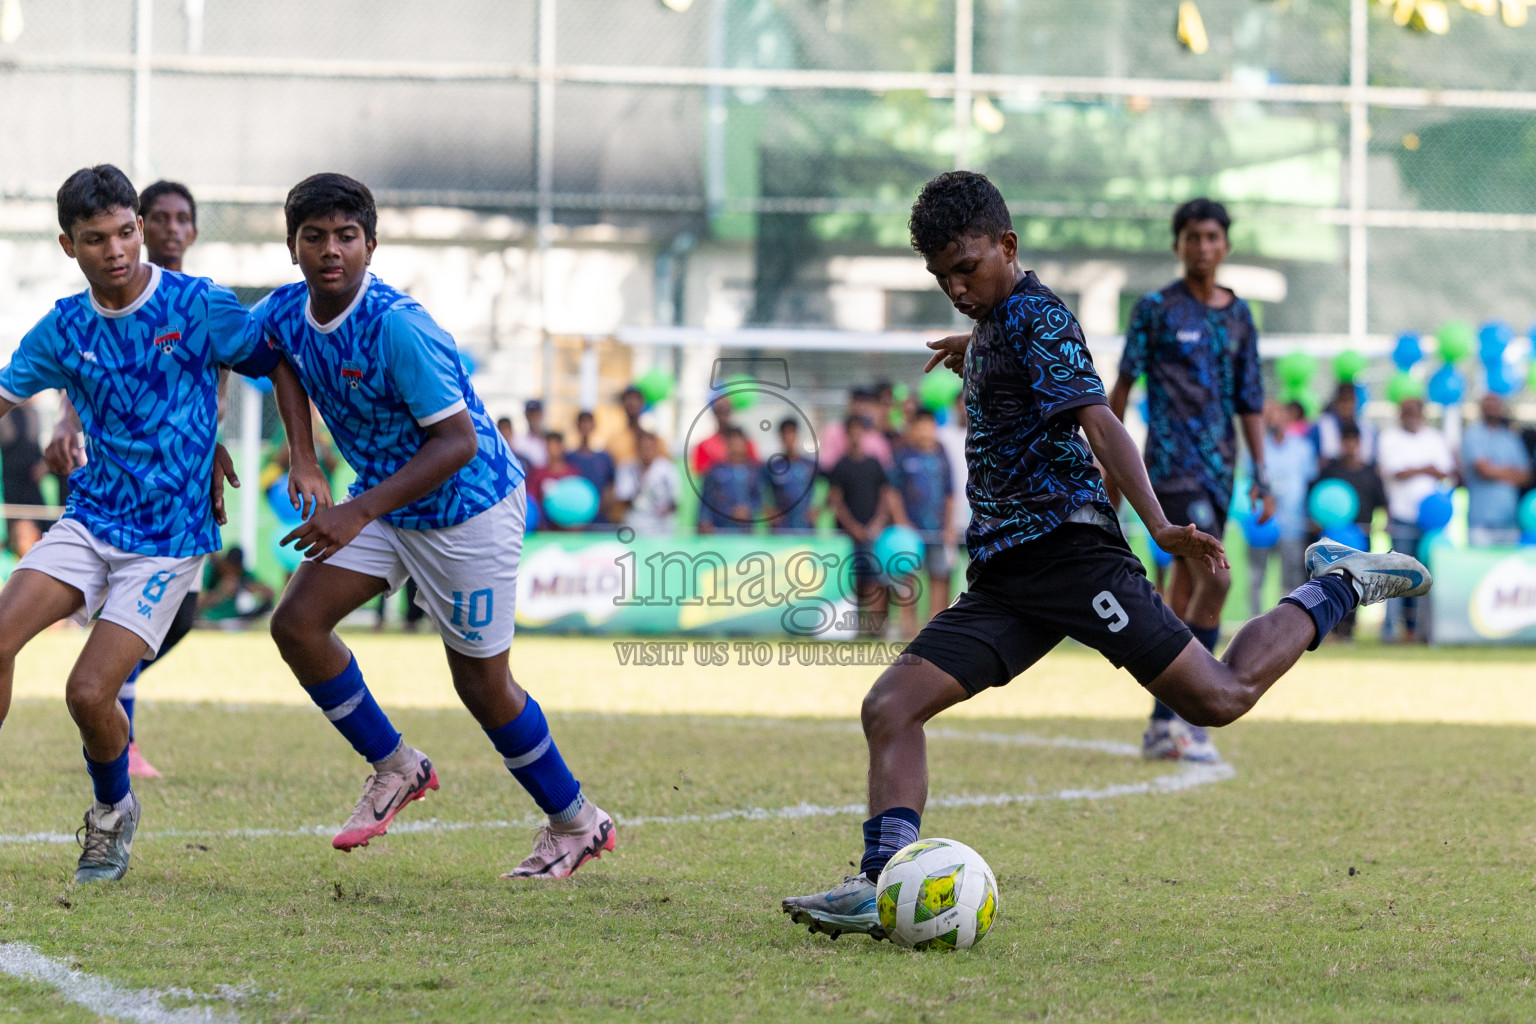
pixel 1079 581
pixel 1185 507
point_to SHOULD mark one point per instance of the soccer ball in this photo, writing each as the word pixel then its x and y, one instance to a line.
pixel 936 894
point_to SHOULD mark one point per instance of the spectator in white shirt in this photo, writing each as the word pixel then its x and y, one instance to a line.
pixel 531 448
pixel 1291 462
pixel 1414 459
pixel 653 503
pixel 1344 407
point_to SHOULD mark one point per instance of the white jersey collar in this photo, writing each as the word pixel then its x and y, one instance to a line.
pixel 132 307
pixel 357 300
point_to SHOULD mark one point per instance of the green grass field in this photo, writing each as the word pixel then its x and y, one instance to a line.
pixel 1372 858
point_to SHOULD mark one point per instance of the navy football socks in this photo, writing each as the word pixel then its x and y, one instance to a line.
pixel 108 778
pixel 355 714
pixel 1327 599
pixel 1208 637
pixel 530 754
pixel 884 836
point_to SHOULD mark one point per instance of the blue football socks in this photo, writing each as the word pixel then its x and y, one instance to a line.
pixel 1207 637
pixel 355 714
pixel 1327 599
pixel 530 754
pixel 110 778
pixel 126 695
pixel 884 836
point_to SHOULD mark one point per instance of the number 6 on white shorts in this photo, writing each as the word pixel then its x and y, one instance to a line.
pixel 1108 607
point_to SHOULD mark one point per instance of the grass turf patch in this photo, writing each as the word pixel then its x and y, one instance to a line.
pixel 1357 870
pixel 1231 900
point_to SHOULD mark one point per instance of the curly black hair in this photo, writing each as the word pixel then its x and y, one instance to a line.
pixel 320 195
pixel 1198 210
pixel 91 191
pixel 953 206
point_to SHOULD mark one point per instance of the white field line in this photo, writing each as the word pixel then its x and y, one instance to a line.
pixel 1187 776
pixel 101 997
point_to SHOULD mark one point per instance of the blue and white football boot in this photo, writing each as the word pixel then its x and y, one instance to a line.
pixel 850 907
pixel 1375 577
pixel 106 841
pixel 1173 739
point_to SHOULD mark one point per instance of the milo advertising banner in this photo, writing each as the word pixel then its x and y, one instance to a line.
pixel 1484 596
pixel 722 584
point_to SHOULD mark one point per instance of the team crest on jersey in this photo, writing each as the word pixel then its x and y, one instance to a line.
pixel 352 373
pixel 167 337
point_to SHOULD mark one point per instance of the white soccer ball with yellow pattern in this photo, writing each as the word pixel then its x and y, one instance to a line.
pixel 936 894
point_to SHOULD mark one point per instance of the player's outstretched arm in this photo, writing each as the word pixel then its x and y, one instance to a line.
pixel 309 489
pixel 1259 494
pixel 1117 453
pixel 450 445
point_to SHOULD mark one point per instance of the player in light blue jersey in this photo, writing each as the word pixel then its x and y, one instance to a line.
pixel 439 498
pixel 138 354
pixel 169 216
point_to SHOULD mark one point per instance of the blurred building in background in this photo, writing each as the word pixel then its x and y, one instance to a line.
pixel 583 189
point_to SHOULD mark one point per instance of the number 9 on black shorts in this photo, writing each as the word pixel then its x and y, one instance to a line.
pixel 1079 581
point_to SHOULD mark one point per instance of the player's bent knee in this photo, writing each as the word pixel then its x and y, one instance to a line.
pixel 86 694
pixel 291 629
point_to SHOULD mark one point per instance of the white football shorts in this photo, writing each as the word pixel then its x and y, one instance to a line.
pixel 466 575
pixel 141 593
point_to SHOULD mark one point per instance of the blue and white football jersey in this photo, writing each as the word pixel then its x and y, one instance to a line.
pixel 381 373
pixel 145 381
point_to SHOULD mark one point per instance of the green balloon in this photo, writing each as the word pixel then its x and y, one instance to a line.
pixel 1530 379
pixel 1403 386
pixel 741 397
pixel 1303 394
pixel 1347 365
pixel 1296 369
pixel 939 390
pixel 1456 339
pixel 654 385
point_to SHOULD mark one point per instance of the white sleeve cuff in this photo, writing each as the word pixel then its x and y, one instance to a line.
pixel 14 399
pixel 442 414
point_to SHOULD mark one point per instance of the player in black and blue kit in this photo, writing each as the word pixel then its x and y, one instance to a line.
pixel 1048 560
pixel 1199 348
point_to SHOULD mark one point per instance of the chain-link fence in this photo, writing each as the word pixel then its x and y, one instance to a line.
pixel 749 154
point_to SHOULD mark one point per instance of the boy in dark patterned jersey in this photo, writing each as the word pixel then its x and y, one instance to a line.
pixel 1198 346
pixel 1048 560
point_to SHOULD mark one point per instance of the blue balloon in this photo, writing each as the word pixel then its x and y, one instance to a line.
pixel 1261 535
pixel 1528 540
pixel 1498 379
pixel 1333 502
pixel 468 362
pixel 277 497
pixel 570 501
pixel 1526 513
pixel 262 384
pixel 1409 350
pixel 1446 387
pixel 1492 339
pixel 1241 504
pixel 1162 558
pixel 1435 512
pixel 1350 535
pixel 1361 396
pixel 531 517
pixel 899 550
